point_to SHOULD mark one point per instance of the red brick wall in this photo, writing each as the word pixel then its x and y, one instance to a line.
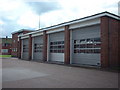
pixel 26 32
pixel 30 47
pixel 113 42
pixel 44 46
pixel 14 44
pixel 19 48
pixel 104 42
pixel 67 45
pixel 109 42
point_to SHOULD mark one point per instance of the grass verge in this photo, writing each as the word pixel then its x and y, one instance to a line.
pixel 5 56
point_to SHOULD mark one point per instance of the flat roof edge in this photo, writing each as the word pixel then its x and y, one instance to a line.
pixel 21 30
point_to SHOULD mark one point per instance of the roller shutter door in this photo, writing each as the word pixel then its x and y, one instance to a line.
pixel 37 48
pixel 56 47
pixel 86 45
pixel 25 49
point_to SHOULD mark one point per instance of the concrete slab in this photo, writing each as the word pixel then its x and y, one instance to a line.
pixel 13 74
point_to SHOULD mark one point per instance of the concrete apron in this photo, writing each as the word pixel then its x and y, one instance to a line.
pixel 13 74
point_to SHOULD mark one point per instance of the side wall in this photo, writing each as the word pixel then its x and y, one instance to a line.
pixel 110 42
pixel 113 42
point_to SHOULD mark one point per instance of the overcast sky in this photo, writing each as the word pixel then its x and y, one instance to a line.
pixel 24 14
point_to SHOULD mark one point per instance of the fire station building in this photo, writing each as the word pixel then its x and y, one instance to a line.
pixel 89 41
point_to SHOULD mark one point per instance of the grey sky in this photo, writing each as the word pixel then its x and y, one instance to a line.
pixel 43 7
pixel 19 14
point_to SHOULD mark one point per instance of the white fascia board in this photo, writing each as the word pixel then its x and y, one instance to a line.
pixel 20 35
pixel 92 18
pixel 24 37
pixel 85 23
pixel 115 17
pixel 37 34
pixel 37 31
pixel 55 30
pixel 26 34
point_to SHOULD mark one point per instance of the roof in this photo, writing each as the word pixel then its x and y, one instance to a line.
pixel 108 14
pixel 5 40
pixel 22 30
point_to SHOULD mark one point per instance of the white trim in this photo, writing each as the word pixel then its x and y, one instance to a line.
pixel 20 34
pixel 37 31
pixel 24 37
pixel 85 23
pixel 115 17
pixel 55 30
pixel 37 34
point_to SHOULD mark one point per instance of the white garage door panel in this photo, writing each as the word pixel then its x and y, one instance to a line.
pixel 25 54
pixel 57 57
pixel 37 55
pixel 90 59
pixel 88 32
pixel 38 39
pixel 56 37
pixel 88 56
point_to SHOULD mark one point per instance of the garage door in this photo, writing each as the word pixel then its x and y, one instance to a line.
pixel 86 45
pixel 37 48
pixel 25 49
pixel 56 47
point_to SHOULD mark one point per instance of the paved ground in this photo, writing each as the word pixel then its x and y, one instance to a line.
pixel 25 74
